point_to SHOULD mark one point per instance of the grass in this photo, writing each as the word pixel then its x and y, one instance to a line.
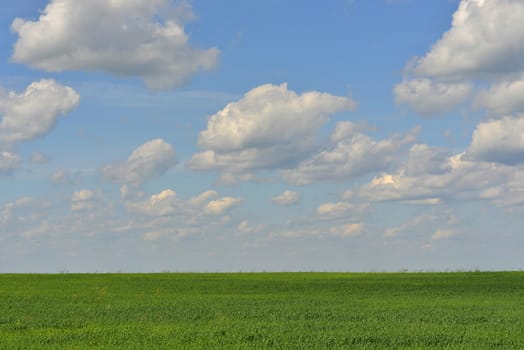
pixel 472 310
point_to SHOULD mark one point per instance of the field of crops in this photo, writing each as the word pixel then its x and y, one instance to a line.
pixel 263 311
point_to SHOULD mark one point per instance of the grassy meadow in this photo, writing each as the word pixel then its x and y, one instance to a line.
pixel 471 310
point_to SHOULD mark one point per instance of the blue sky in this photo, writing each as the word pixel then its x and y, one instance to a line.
pixel 157 135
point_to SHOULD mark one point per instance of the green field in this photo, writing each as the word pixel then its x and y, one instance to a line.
pixel 471 310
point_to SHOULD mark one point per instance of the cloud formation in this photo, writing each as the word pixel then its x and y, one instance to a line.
pixel 35 112
pixel 349 155
pixel 270 127
pixel 502 98
pixel 439 176
pixel 165 203
pixel 221 206
pixel 427 97
pixel 347 230
pixel 486 38
pixel 139 38
pixel 484 45
pixel 8 162
pixel 499 141
pixel 287 198
pixel 83 200
pixel 147 161
pixel 339 209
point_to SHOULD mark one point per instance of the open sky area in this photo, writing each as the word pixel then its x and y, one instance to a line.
pixel 360 135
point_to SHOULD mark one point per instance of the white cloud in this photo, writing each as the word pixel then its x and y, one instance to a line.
pixel 147 161
pixel 500 141
pixel 202 198
pixel 269 127
pixel 161 204
pixel 339 209
pixel 245 227
pixel 455 178
pixel 34 112
pixel 350 155
pixel 510 194
pixel 83 195
pixel 485 42
pixel 423 160
pixel 167 204
pixel 440 234
pixel 7 212
pixel 83 200
pixel 139 38
pixel 8 162
pixel 502 98
pixel 427 97
pixel 161 216
pixel 221 206
pixel 287 198
pixel 425 201
pixel 347 230
pixel 486 38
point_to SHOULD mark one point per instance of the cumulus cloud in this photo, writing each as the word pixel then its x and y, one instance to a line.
pixel 350 155
pixel 83 200
pixel 502 98
pixel 486 38
pixel 147 161
pixel 8 162
pixel 83 195
pixel 287 198
pixel 159 216
pixel 34 112
pixel 161 204
pixel 269 127
pixel 202 198
pixel 500 141
pixel 221 206
pixel 347 230
pixel 167 204
pixel 437 177
pixel 140 38
pixel 485 43
pixel 245 227
pixel 339 209
pixel 423 159
pixel 427 97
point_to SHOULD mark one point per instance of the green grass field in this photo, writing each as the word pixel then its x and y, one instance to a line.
pixel 263 311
